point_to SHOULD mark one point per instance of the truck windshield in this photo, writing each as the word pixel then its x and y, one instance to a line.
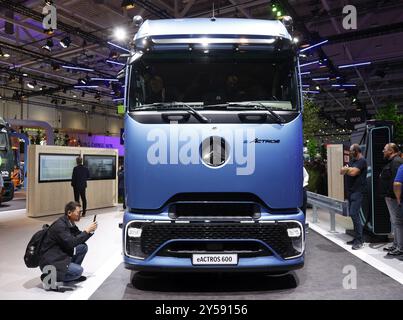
pixel 206 80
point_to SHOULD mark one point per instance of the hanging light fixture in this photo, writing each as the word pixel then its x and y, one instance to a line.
pixel 48 46
pixel 65 42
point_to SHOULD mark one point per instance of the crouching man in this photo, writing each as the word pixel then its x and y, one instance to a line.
pixel 64 245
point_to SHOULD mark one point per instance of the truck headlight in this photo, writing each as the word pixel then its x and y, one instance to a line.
pixel 294 232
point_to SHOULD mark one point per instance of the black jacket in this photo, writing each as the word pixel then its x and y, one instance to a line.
pixel 58 246
pixel 80 176
pixel 388 175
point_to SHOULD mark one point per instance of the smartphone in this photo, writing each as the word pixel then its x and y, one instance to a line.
pixel 95 218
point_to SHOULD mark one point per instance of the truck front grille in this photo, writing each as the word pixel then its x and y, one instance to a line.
pixel 275 235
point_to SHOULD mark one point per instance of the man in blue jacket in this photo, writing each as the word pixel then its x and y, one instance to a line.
pixel 398 190
pixel 64 245
pixel 79 183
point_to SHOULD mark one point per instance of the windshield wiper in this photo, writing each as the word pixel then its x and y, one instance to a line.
pixel 274 115
pixel 192 111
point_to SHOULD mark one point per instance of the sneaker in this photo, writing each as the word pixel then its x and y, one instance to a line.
pixel 395 253
pixel 81 279
pixel 351 242
pixel 357 245
pixel 389 249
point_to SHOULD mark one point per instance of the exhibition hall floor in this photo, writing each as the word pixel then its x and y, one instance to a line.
pixel 328 273
pixel 18 202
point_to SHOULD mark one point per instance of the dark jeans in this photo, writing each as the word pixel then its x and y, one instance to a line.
pixel 81 193
pixel 75 270
pixel 355 200
pixel 121 193
pixel 396 220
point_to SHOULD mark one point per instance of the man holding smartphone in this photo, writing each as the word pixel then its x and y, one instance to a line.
pixel 64 245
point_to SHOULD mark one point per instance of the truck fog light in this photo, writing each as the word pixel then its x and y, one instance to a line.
pixel 294 232
pixel 134 232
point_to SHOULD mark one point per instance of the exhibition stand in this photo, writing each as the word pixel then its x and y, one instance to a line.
pixel 49 178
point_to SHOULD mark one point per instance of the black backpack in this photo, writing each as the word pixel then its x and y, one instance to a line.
pixel 32 253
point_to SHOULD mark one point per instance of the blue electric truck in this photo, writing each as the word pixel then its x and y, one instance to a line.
pixel 213 147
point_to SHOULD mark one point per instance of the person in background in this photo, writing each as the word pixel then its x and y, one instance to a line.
pixel 1 188
pixel 356 172
pixel 305 189
pixel 398 191
pixel 387 176
pixel 121 185
pixel 64 245
pixel 79 183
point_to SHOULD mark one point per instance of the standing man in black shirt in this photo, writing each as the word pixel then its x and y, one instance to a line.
pixel 356 172
pixel 79 183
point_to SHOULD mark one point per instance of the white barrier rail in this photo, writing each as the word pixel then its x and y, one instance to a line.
pixel 334 207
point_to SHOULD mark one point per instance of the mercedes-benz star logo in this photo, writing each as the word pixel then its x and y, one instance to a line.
pixel 214 151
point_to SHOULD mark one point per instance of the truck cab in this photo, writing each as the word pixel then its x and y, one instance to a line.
pixel 213 148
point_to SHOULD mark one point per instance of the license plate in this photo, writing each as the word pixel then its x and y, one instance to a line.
pixel 215 259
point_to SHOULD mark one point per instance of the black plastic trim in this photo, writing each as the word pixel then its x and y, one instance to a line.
pixel 228 116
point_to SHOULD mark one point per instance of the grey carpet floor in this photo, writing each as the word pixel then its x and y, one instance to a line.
pixel 14 204
pixel 321 278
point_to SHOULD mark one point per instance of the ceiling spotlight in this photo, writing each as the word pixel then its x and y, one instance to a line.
pixel 113 55
pixel 120 34
pixel 65 42
pixel 48 46
pixel 4 55
pixel 55 66
pixel 128 4
pixel 31 85
pixel 49 31
pixel 74 96
pixel 82 81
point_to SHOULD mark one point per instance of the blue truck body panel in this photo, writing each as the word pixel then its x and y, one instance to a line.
pixel 180 203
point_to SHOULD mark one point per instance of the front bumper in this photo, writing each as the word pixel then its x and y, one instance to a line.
pixel 169 264
pixel 152 250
